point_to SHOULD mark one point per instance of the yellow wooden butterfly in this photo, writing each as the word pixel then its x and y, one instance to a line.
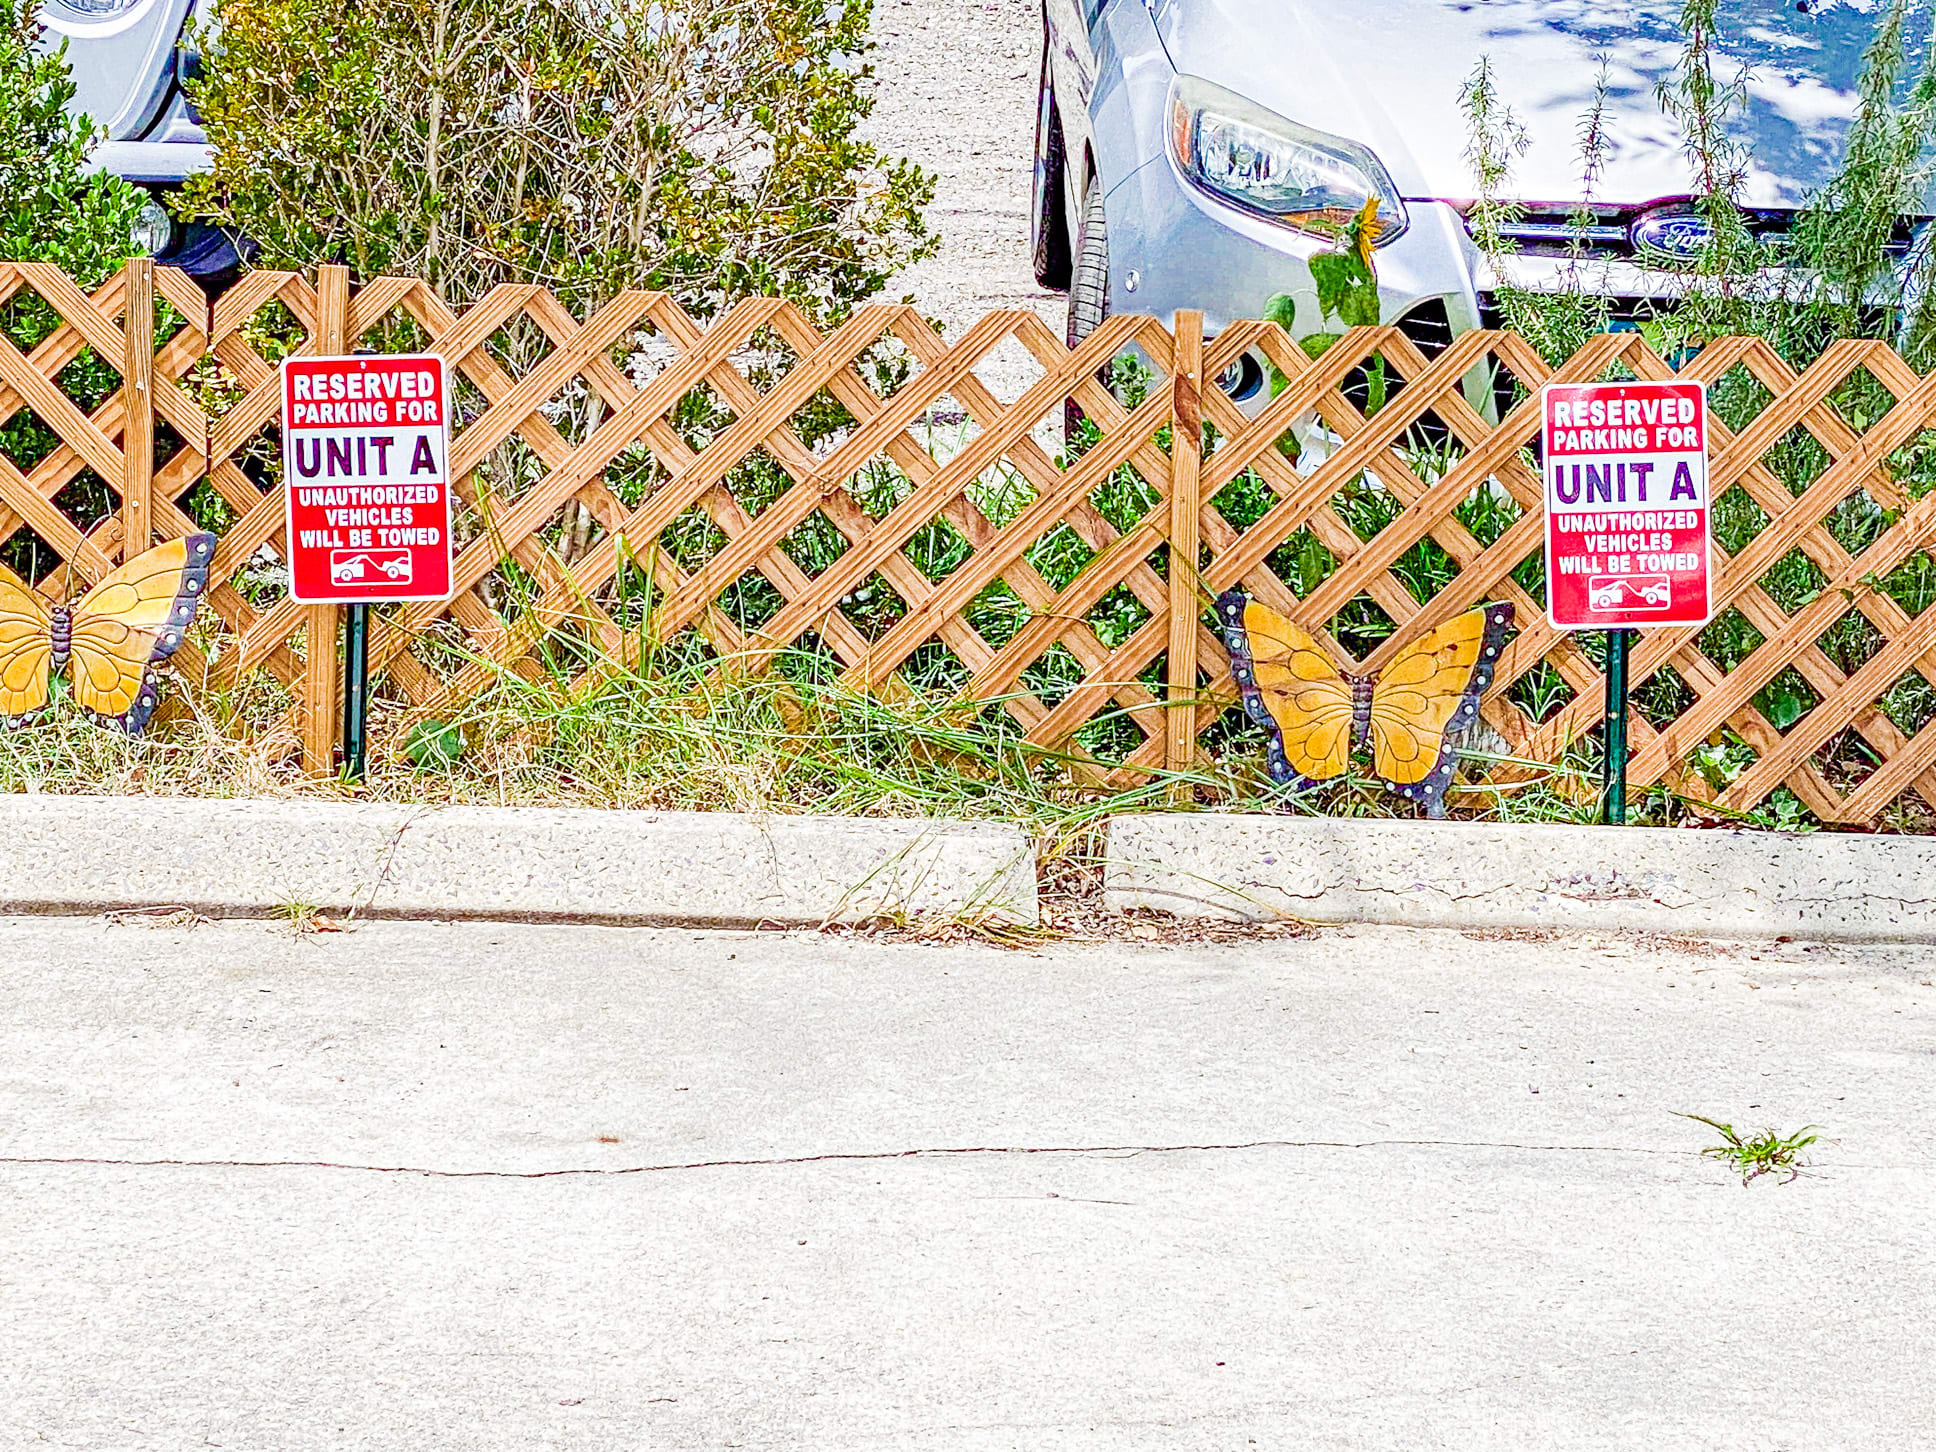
pixel 114 635
pixel 1316 714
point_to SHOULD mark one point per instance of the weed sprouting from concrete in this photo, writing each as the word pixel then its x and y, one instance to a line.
pixel 1758 1154
pixel 304 918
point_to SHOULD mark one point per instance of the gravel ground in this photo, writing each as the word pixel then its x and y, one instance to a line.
pixel 957 95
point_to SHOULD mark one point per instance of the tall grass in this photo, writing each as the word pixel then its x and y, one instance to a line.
pixel 684 739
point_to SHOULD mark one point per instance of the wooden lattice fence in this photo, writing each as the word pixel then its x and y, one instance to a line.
pixel 756 487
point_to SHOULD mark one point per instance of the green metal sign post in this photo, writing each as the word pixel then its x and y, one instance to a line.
pixel 356 691
pixel 1614 811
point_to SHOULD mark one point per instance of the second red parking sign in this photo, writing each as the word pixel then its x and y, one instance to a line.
pixel 366 477
pixel 1627 536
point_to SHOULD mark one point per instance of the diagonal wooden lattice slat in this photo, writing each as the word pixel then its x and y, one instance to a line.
pixel 905 511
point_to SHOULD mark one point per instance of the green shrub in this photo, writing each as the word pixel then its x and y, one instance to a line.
pixel 51 208
pixel 704 146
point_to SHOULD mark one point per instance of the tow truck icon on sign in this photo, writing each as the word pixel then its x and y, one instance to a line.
pixel 371 567
pixel 1628 592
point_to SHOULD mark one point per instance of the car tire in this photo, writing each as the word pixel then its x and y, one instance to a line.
pixel 1088 293
pixel 1049 222
pixel 1089 272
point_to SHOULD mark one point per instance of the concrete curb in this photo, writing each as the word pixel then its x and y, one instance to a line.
pixel 1719 884
pixel 92 854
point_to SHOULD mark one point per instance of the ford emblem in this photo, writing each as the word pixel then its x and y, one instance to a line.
pixel 1680 235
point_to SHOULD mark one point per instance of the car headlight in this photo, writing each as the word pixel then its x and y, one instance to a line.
pixel 101 9
pixel 154 229
pixel 1237 150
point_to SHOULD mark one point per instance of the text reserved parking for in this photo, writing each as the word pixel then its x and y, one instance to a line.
pixel 366 473
pixel 1626 505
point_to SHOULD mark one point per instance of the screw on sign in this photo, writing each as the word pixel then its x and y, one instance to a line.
pixel 366 474
pixel 1627 527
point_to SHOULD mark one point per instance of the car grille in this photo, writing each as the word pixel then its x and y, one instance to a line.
pixel 1545 229
pixel 1428 326
pixel 1624 314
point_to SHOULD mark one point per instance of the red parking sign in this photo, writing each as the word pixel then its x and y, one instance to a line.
pixel 1627 532
pixel 366 478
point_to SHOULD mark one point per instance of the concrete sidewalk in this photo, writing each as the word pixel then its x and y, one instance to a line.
pixel 497 1186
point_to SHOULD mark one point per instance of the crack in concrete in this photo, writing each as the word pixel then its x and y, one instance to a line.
pixel 389 859
pixel 1120 1151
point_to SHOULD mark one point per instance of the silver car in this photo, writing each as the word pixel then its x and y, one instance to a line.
pixel 129 59
pixel 1190 153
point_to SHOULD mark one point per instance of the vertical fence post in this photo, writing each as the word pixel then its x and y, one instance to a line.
pixel 322 672
pixel 1186 443
pixel 138 409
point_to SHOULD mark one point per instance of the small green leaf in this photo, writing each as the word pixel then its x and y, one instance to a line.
pixel 1784 709
pixel 1335 274
pixel 1282 310
pixel 434 745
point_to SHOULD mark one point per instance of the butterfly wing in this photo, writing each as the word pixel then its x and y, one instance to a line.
pixel 1431 688
pixel 26 647
pixel 1290 688
pixel 132 621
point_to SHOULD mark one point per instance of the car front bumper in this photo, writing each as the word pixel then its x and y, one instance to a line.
pixel 153 162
